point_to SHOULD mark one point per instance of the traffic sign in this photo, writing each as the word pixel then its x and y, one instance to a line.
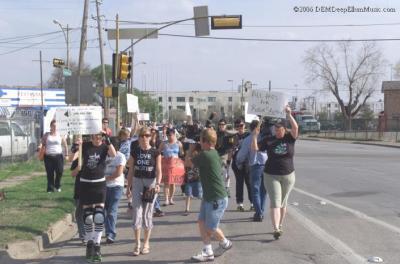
pixel 67 72
pixel 79 120
pixel 132 33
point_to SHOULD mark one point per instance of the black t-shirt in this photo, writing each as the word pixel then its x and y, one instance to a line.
pixel 224 143
pixel 94 161
pixel 145 162
pixel 280 154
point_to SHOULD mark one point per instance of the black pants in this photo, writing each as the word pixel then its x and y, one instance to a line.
pixel 242 176
pixel 54 164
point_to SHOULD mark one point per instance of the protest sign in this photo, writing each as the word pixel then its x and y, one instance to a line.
pixel 132 103
pixel 78 120
pixel 266 103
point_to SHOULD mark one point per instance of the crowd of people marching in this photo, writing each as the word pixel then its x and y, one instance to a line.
pixel 143 158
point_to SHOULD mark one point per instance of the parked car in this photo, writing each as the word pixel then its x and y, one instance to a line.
pixel 307 122
pixel 14 141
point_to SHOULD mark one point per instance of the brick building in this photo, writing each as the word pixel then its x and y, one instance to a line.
pixel 391 91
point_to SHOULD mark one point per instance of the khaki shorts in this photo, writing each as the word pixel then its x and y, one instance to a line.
pixel 278 188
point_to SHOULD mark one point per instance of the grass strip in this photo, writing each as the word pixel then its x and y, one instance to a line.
pixel 28 210
pixel 10 170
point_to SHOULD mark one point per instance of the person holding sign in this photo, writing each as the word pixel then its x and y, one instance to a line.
pixel 173 167
pixel 92 190
pixel 144 178
pixel 279 175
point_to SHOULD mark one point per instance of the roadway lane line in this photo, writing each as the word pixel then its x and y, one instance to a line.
pixel 343 249
pixel 354 212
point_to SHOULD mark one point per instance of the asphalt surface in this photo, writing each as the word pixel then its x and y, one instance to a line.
pixel 345 209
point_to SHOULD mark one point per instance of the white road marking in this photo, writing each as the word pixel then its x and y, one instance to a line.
pixel 343 249
pixel 354 212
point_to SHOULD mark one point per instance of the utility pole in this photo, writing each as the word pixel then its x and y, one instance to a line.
pixel 269 85
pixel 116 71
pixel 41 87
pixel 67 47
pixel 242 98
pixel 103 70
pixel 133 60
pixel 82 47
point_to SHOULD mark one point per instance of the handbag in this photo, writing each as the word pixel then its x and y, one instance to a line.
pixel 42 152
pixel 148 194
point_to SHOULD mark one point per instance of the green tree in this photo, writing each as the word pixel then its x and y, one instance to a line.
pixel 146 104
pixel 97 75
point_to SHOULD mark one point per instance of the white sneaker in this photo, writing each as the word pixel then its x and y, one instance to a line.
pixel 58 190
pixel 203 257
pixel 221 249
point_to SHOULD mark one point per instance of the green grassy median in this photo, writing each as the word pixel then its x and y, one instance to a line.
pixel 8 170
pixel 28 209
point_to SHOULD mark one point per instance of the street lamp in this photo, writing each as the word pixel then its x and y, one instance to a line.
pixel 231 81
pixel 66 36
pixel 132 75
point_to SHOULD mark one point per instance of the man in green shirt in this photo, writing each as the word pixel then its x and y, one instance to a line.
pixel 215 199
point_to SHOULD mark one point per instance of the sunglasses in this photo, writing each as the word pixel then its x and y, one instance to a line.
pixel 145 135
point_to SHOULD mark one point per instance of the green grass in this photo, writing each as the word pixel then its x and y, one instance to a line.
pixel 20 168
pixel 28 209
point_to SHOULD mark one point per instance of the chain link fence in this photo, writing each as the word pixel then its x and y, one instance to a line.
pixel 20 132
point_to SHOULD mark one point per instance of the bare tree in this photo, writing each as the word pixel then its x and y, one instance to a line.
pixel 350 74
pixel 56 79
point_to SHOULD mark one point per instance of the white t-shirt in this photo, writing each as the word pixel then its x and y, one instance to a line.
pixel 111 165
pixel 53 145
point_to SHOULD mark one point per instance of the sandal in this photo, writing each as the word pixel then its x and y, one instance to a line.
pixel 171 202
pixel 145 250
pixel 136 250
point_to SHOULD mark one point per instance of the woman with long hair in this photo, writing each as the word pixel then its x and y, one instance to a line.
pixel 144 178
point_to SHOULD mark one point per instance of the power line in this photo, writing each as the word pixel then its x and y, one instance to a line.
pixel 26 47
pixel 266 26
pixel 280 40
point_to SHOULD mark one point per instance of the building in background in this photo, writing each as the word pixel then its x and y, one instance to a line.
pixel 391 91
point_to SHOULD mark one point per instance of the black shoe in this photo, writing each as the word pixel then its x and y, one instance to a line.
pixel 89 250
pixel 97 254
pixel 258 218
pixel 109 240
pixel 277 234
pixel 158 213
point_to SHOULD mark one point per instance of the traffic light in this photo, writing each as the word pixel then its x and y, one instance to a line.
pixel 226 22
pixel 124 70
pixel 115 91
pixel 108 91
pixel 58 63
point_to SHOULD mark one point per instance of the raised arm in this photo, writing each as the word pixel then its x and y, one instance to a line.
pixel 294 131
pixel 254 137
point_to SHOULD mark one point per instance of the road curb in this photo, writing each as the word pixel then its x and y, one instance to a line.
pixel 387 144
pixel 29 249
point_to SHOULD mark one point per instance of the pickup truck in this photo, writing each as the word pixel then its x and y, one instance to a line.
pixel 14 141
pixel 307 122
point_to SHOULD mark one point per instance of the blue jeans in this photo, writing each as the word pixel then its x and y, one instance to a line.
pixel 157 204
pixel 257 188
pixel 212 212
pixel 113 196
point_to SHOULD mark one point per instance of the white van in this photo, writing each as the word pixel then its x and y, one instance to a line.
pixel 13 140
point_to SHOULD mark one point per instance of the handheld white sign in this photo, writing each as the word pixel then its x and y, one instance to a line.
pixel 266 103
pixel 50 115
pixel 249 117
pixel 187 109
pixel 143 116
pixel 79 120
pixel 132 103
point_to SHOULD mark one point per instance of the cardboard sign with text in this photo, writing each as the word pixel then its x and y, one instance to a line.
pixel 249 117
pixel 143 116
pixel 266 103
pixel 79 120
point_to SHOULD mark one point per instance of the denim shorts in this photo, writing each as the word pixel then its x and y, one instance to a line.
pixel 193 189
pixel 212 212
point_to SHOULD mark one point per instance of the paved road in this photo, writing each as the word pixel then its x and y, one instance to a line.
pixel 345 209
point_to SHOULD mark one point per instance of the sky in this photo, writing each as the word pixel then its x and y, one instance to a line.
pixel 186 64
